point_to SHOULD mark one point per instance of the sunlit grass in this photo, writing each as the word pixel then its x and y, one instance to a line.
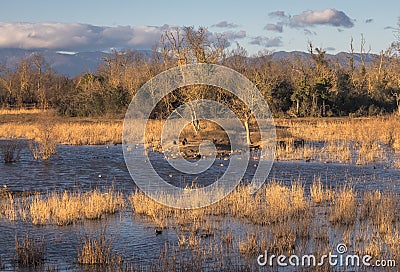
pixel 67 207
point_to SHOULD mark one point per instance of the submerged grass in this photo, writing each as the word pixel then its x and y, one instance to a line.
pixel 98 251
pixel 29 251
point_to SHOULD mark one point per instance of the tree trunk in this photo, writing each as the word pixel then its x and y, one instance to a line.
pixel 246 125
pixel 195 122
pixel 398 103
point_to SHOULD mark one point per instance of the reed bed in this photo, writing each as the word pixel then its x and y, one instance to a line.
pixel 282 219
pixel 69 207
pixel 288 219
pixel 345 140
pixel 29 251
pixel 21 111
pixel 98 251
pixel 343 211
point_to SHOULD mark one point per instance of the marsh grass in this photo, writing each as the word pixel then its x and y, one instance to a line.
pixel 319 193
pixel 29 251
pixel 10 150
pixel 250 245
pixel 98 251
pixel 69 207
pixel 345 140
pixel 344 210
pixel 44 145
pixel 21 111
pixel 282 219
pixel 7 206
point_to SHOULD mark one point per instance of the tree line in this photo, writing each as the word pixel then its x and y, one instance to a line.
pixel 295 87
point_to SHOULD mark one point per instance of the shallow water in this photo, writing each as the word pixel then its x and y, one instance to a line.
pixel 101 166
pixel 85 167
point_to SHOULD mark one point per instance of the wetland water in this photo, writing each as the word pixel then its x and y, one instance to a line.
pixel 86 167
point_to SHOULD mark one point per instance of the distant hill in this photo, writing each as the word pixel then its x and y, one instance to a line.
pixel 73 64
pixel 343 58
pixel 68 64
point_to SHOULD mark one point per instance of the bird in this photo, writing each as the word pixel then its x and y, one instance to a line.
pixel 184 142
pixel 5 186
pixel 99 175
pixel 158 231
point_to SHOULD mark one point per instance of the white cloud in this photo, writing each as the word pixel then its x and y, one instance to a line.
pixel 330 49
pixel 278 13
pixel 225 24
pixel 274 27
pixel 331 17
pixel 234 35
pixel 76 36
pixel 266 42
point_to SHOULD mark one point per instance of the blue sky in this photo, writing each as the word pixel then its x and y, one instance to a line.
pixel 256 25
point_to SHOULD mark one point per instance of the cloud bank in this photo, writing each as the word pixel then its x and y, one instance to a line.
pixel 225 24
pixel 274 27
pixel 310 18
pixel 76 36
pixel 266 42
pixel 85 37
pixel 331 17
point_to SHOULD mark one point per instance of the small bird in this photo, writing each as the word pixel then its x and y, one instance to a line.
pixel 5 186
pixel 100 176
pixel 184 142
pixel 158 231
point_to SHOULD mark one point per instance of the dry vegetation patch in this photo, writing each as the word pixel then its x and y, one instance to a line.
pixel 68 207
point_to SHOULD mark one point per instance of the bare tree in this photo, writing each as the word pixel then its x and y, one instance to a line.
pixel 189 46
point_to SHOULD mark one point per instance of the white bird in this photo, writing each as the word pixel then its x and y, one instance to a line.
pixel 5 186
pixel 100 175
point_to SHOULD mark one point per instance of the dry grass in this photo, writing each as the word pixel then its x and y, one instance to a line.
pixel 21 111
pixel 29 251
pixel 97 251
pixel 319 193
pixel 278 218
pixel 40 126
pixel 10 150
pixel 250 245
pixel 346 140
pixel 7 206
pixel 66 208
pixel 343 211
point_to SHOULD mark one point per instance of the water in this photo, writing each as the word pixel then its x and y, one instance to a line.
pixel 87 167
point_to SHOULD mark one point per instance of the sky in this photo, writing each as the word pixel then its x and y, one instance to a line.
pixel 88 25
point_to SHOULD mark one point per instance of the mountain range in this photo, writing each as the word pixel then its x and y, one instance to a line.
pixel 73 64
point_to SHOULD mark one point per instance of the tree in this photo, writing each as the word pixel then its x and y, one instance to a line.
pixel 190 46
